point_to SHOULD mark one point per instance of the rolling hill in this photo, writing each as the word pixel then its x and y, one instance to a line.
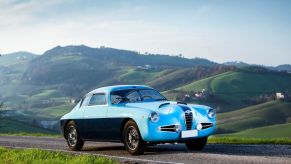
pixel 9 126
pixel 44 87
pixel 283 67
pixel 77 69
pixel 265 114
pixel 236 89
pixel 165 79
pixel 272 131
pixel 181 77
pixel 16 58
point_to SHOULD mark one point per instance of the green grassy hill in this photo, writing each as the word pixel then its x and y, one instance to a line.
pixel 10 126
pixel 266 114
pixel 173 78
pixel 16 58
pixel 273 131
pixel 137 76
pixel 235 89
pixel 12 67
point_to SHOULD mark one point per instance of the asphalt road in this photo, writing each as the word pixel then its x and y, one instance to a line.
pixel 213 153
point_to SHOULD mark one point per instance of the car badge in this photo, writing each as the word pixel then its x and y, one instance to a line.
pixel 188 111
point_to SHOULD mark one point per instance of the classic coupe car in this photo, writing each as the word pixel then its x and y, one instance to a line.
pixel 137 116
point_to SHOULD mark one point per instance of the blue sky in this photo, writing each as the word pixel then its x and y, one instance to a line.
pixel 253 31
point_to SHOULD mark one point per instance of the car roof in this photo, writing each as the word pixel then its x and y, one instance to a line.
pixel 118 87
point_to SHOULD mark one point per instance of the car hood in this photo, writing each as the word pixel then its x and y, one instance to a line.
pixel 164 107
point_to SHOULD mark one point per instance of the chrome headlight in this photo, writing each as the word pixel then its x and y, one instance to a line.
pixel 154 117
pixel 211 113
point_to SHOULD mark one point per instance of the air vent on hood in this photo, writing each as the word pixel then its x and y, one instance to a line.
pixel 181 103
pixel 164 104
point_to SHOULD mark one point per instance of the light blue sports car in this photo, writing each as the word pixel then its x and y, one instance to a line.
pixel 137 116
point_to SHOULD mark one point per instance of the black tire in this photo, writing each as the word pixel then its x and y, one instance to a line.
pixel 74 141
pixel 196 144
pixel 132 139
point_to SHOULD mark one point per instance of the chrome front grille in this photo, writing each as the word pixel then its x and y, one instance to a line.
pixel 188 120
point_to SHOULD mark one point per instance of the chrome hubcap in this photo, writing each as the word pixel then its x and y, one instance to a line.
pixel 132 138
pixel 72 136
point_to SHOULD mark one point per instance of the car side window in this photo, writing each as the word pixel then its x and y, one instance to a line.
pixel 85 101
pixel 97 99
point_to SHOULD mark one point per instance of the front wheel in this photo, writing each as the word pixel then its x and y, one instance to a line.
pixel 196 144
pixel 133 142
pixel 73 140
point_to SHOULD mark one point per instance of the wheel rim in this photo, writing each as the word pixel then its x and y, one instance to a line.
pixel 132 138
pixel 72 136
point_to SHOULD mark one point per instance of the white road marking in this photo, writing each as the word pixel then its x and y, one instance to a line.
pixel 100 155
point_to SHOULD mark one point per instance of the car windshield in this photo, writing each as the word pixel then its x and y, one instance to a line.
pixel 135 95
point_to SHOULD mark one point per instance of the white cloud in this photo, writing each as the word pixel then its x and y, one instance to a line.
pixel 39 25
pixel 21 13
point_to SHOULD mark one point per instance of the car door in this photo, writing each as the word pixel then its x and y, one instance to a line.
pixel 117 112
pixel 95 117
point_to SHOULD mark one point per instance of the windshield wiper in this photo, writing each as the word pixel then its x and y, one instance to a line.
pixel 122 98
pixel 161 99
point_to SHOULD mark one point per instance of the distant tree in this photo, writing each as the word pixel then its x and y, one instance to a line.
pixel 1 112
pixel 1 109
pixel 181 55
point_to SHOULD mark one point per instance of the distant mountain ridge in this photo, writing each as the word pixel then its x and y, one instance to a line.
pixel 78 68
pixel 239 64
pixel 283 67
pixel 125 57
pixel 16 57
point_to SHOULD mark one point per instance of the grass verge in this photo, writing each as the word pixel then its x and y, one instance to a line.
pixel 28 156
pixel 32 134
pixel 239 140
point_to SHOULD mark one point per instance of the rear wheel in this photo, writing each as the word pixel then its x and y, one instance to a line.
pixel 73 140
pixel 196 144
pixel 133 142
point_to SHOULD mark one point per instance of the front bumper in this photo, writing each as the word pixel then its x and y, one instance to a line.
pixel 155 134
pixel 164 136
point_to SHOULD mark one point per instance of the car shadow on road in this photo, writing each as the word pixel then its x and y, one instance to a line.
pixel 249 150
pixel 105 148
pixel 226 149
